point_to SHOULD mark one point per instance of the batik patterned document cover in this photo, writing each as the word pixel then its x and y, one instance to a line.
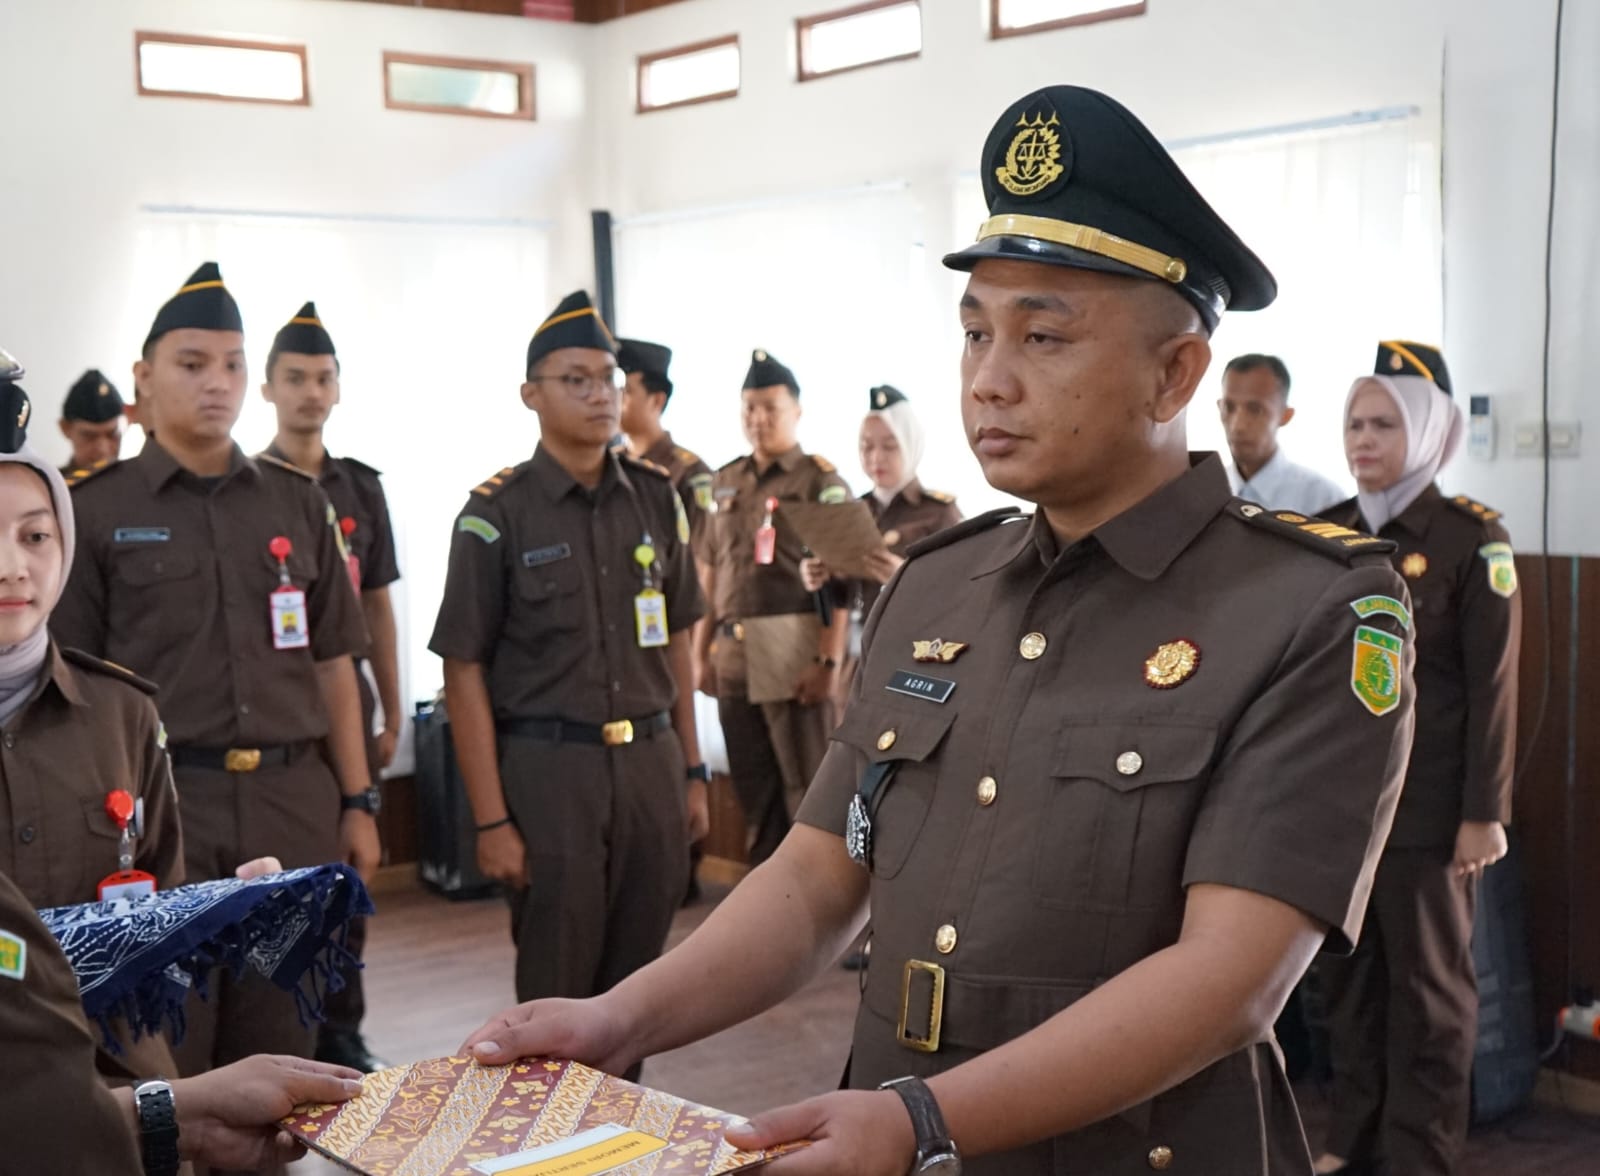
pixel 453 1117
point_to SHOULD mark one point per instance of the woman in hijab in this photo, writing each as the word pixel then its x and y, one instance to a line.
pixel 1403 1008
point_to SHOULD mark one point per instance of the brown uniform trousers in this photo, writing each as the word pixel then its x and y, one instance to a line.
pixel 1403 1010
pixel 88 729
pixel 540 591
pixel 1043 822
pixel 774 748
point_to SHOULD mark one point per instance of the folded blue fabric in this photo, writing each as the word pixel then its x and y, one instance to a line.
pixel 137 959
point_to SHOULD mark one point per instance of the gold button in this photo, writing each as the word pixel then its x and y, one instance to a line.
pixel 886 740
pixel 945 939
pixel 987 791
pixel 1129 763
pixel 1161 1158
pixel 1033 646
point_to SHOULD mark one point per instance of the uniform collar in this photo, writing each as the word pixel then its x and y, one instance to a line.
pixel 552 477
pixel 58 674
pixel 331 469
pixel 785 461
pixel 160 467
pixel 1417 517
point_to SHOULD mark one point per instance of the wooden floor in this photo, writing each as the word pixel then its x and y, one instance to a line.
pixel 437 969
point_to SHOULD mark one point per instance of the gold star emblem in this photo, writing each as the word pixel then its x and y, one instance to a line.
pixel 1172 664
pixel 1414 565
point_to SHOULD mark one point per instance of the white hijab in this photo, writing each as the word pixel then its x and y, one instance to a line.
pixel 907 430
pixel 1433 423
pixel 20 663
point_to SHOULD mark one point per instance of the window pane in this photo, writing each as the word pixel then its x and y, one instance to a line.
pixel 863 38
pixel 687 76
pixel 1021 14
pixel 481 90
pixel 264 74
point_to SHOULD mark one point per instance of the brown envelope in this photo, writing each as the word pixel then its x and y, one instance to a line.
pixel 777 650
pixel 840 534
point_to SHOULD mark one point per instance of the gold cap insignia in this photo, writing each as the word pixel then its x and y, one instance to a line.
pixel 1414 565
pixel 1396 363
pixel 761 357
pixel 1172 664
pixel 23 414
pixel 1033 160
pixel 937 650
pixel 104 389
pixel 881 399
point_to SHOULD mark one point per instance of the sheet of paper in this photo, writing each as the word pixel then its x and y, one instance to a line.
pixel 777 650
pixel 840 534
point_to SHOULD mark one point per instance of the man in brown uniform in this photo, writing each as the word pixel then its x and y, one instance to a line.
pixel 1116 772
pixel 303 386
pixel 222 578
pixel 644 398
pixel 759 609
pixel 568 674
pixel 93 419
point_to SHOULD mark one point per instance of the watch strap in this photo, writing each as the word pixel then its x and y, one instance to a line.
pixel 368 801
pixel 158 1128
pixel 933 1137
pixel 698 772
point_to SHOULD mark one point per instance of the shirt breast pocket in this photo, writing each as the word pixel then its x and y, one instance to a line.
pixel 150 574
pixel 552 590
pixel 1122 799
pixel 910 741
pixel 100 847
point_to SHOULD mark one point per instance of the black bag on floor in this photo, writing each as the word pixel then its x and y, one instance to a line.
pixel 1505 1065
pixel 447 859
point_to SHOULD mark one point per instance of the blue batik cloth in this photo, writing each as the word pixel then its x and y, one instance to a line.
pixel 137 959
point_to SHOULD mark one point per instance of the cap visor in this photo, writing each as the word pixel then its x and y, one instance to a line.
pixel 1009 248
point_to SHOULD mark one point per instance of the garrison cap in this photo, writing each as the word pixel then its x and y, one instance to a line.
pixel 14 406
pixel 883 396
pixel 573 323
pixel 1072 178
pixel 766 372
pixel 203 303
pixel 304 334
pixel 635 355
pixel 1399 358
pixel 93 398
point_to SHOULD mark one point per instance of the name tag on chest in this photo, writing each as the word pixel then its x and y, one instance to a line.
pixel 921 686
pixel 141 535
pixel 540 556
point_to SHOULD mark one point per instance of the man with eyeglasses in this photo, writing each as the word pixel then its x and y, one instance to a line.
pixel 568 665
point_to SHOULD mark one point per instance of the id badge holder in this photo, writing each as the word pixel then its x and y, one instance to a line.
pixel 650 616
pixel 287 604
pixel 127 882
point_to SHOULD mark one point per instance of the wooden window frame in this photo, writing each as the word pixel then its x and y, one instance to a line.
pixel 141 38
pixel 804 24
pixel 997 31
pixel 646 60
pixel 527 99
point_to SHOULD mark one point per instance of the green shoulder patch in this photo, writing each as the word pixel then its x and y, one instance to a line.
pixel 833 495
pixel 13 956
pixel 1376 669
pixel 1473 508
pixel 482 528
pixel 1502 568
pixel 1331 539
pixel 701 485
pixel 81 474
pixel 1371 606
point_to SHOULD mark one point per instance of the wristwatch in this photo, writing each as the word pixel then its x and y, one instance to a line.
pixel 158 1128
pixel 698 772
pixel 370 801
pixel 936 1151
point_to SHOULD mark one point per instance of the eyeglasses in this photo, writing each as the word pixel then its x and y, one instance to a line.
pixel 580 384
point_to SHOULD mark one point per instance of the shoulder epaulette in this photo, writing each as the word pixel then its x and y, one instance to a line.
pixel 645 464
pixel 98 665
pixel 963 529
pixel 78 475
pixel 824 464
pixel 939 496
pixel 268 459
pixel 362 466
pixel 728 465
pixel 1331 539
pixel 1474 508
pixel 688 456
pixel 495 483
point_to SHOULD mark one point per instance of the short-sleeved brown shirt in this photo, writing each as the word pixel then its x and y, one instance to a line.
pixel 1043 823
pixel 541 588
pixel 739 492
pixel 1456 559
pixel 172 579
pixel 356 491
pixel 691 478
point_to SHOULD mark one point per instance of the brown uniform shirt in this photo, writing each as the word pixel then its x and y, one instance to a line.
pixel 1044 821
pixel 356 491
pixel 541 588
pixel 911 516
pixel 739 491
pixel 1469 632
pixel 691 478
pixel 172 579
pixel 61 1115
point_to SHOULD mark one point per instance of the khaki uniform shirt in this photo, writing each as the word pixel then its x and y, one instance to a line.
pixel 61 1115
pixel 1456 560
pixel 691 478
pixel 740 491
pixel 1044 821
pixel 172 579
pixel 356 491
pixel 541 588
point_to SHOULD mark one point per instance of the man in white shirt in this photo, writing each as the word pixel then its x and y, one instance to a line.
pixel 1254 406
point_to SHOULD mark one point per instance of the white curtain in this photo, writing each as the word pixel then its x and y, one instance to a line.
pixel 431 322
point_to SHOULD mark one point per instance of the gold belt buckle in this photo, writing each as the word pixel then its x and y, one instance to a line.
pixel 738 630
pixel 242 759
pixel 617 732
pixel 930 1043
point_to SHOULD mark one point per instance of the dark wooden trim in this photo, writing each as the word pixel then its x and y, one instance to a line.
pixel 141 38
pixel 646 60
pixel 527 106
pixel 997 31
pixel 802 38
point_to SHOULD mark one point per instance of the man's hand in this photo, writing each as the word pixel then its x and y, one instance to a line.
pixel 586 1031
pixel 816 684
pixel 258 868
pixel 228 1118
pixel 882 565
pixel 855 1133
pixel 358 842
pixel 503 857
pixel 814 573
pixel 698 801
pixel 1479 845
pixel 388 741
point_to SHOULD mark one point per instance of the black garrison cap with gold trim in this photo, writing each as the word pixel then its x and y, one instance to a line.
pixel 573 323
pixel 1398 357
pixel 1072 178
pixel 304 334
pixel 766 372
pixel 203 303
pixel 14 406
pixel 93 398
pixel 883 396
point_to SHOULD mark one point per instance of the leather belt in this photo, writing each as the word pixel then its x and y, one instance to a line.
pixel 613 734
pixel 931 1008
pixel 734 629
pixel 235 759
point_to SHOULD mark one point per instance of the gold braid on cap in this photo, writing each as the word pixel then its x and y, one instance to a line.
pixel 1091 240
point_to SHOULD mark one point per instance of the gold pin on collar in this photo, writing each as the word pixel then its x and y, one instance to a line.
pixel 1171 665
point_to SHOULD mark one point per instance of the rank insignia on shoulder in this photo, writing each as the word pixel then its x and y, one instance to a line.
pixel 1414 565
pixel 82 474
pixel 833 495
pixel 1172 665
pixel 482 528
pixel 939 496
pixel 1474 508
pixel 1375 669
pixel 1371 606
pixel 937 650
pixel 13 956
pixel 491 485
pixel 1502 568
pixel 1330 538
pixel 824 464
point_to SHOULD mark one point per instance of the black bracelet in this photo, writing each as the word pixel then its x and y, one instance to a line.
pixel 493 825
pixel 698 772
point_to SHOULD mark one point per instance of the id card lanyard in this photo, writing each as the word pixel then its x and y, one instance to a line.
pixel 127 882
pixel 287 604
pixel 767 536
pixel 650 606
pixel 347 528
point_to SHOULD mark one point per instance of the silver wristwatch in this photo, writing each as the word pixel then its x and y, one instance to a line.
pixel 936 1151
